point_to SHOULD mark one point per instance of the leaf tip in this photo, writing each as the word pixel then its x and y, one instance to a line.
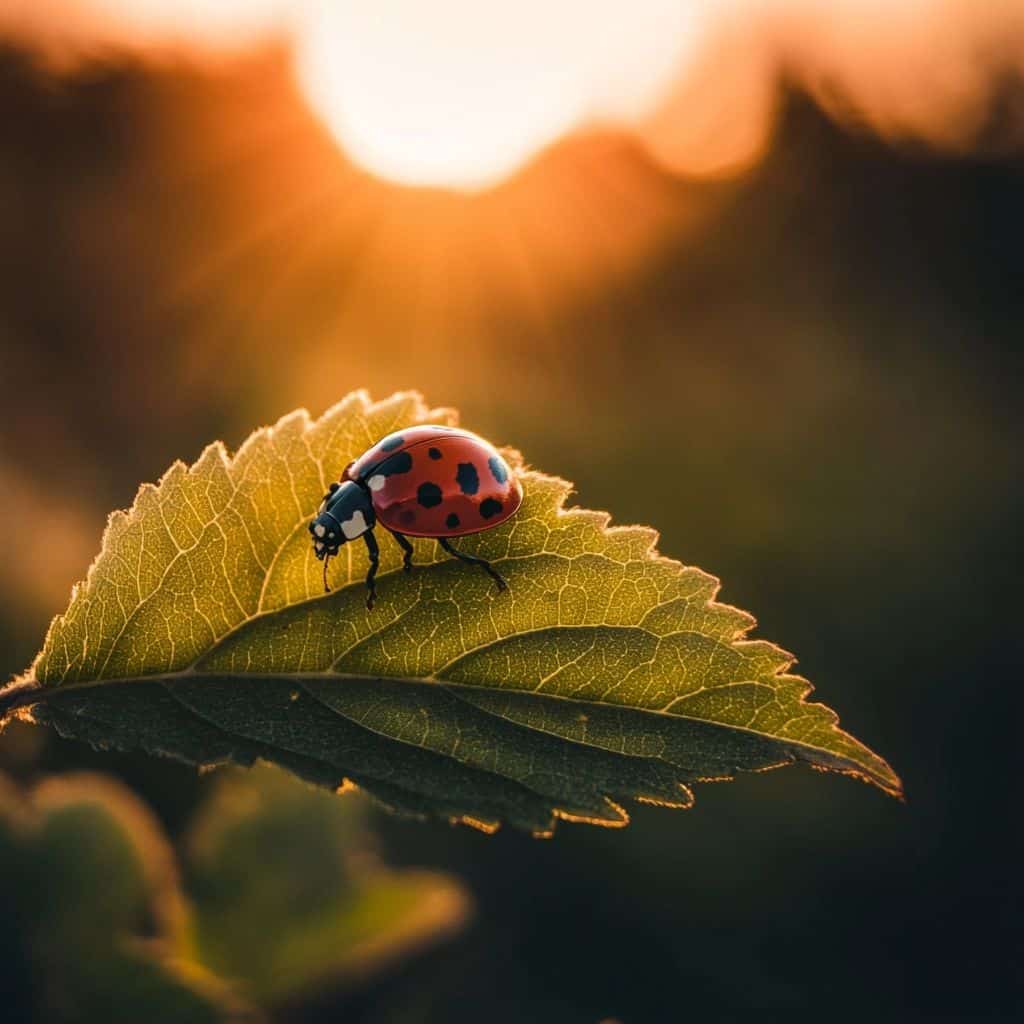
pixel 880 776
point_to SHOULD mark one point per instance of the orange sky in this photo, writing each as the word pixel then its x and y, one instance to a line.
pixel 460 94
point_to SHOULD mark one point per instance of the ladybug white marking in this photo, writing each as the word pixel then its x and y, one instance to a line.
pixel 319 529
pixel 375 483
pixel 355 527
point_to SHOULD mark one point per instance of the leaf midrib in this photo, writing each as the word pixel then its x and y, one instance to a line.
pixel 41 693
pixel 274 745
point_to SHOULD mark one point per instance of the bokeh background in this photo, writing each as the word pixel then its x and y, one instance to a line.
pixel 753 278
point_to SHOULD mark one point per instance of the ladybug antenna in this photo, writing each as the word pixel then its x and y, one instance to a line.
pixel 327 589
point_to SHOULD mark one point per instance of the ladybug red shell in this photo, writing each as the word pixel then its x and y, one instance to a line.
pixel 438 482
pixel 424 481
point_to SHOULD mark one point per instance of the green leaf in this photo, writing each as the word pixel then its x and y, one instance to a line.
pixel 289 897
pixel 93 914
pixel 605 673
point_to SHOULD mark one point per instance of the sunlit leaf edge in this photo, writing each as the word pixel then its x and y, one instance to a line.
pixel 19 696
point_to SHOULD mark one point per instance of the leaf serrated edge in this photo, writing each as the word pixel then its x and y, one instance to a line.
pixel 16 697
pixel 883 777
pixel 217 450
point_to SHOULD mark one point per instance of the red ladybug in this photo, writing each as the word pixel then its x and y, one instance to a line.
pixel 425 481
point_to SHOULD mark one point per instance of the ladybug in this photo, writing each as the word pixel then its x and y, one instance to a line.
pixel 425 481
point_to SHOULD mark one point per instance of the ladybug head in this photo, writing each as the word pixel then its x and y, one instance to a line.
pixel 345 513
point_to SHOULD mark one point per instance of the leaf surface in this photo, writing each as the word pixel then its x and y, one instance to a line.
pixel 605 673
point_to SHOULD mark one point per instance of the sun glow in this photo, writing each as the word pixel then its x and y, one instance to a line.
pixel 459 93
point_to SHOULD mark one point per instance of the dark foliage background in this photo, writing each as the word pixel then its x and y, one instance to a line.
pixel 810 385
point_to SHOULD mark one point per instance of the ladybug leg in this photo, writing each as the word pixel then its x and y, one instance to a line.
pixel 473 560
pixel 406 547
pixel 374 552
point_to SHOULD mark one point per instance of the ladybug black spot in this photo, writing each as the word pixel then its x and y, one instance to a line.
pixel 400 463
pixel 452 521
pixel 434 453
pixel 429 495
pixel 489 508
pixel 408 516
pixel 498 469
pixel 389 444
pixel 467 478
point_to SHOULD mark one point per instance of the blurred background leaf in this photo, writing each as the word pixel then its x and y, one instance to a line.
pixel 291 897
pixel 287 899
pixel 93 916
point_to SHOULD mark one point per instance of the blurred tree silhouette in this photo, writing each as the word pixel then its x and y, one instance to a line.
pixel 290 898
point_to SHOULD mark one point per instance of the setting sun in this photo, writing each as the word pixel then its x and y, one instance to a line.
pixel 460 94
